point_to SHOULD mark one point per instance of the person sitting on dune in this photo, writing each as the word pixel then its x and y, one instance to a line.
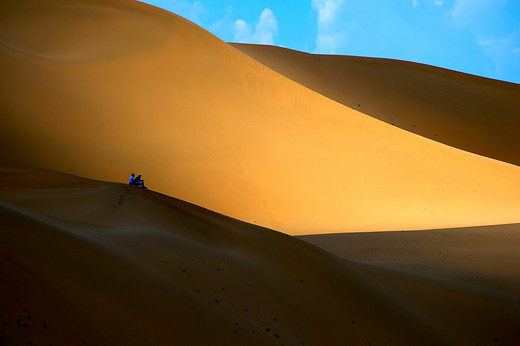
pixel 139 182
pixel 131 181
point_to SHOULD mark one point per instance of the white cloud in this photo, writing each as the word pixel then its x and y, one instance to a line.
pixel 329 36
pixel 242 31
pixel 326 9
pixel 266 27
pixel 438 3
pixel 264 30
pixel 415 3
pixel 327 44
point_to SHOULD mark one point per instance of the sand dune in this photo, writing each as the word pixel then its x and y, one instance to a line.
pixel 472 113
pixel 101 88
pixel 86 262
pixel 485 256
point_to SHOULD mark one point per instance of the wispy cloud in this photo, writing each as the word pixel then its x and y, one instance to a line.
pixel 223 26
pixel 471 12
pixel 498 50
pixel 328 37
pixel 498 43
pixel 427 3
pixel 326 9
pixel 264 30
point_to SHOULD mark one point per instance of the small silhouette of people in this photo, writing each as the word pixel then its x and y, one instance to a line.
pixel 136 181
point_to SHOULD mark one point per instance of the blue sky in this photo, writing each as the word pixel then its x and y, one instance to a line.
pixel 480 37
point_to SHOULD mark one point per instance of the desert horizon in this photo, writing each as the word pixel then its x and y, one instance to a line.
pixel 293 198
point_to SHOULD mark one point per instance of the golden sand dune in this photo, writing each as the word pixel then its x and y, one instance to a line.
pixel 101 88
pixel 86 262
pixel 475 114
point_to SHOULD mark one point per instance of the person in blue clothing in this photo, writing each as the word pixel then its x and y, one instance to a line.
pixel 132 179
pixel 136 181
pixel 139 182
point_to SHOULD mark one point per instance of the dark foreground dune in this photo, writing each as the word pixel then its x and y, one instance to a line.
pixel 88 262
pixel 485 256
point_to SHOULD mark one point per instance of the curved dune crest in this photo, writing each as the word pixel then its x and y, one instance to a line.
pixel 472 113
pixel 207 124
pixel 87 262
pixel 113 264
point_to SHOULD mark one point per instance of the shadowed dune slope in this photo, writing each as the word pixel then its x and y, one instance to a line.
pixel 88 262
pixel 101 88
pixel 475 114
pixel 485 256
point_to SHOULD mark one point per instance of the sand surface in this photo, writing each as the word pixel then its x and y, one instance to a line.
pixel 95 89
pixel 87 262
pixel 102 88
pixel 475 114
pixel 485 256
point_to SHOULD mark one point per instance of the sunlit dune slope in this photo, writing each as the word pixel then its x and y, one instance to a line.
pixel 86 262
pixel 102 88
pixel 472 113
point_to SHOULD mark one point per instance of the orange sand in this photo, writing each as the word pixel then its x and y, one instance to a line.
pixel 102 88
pixel 86 262
pixel 472 113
